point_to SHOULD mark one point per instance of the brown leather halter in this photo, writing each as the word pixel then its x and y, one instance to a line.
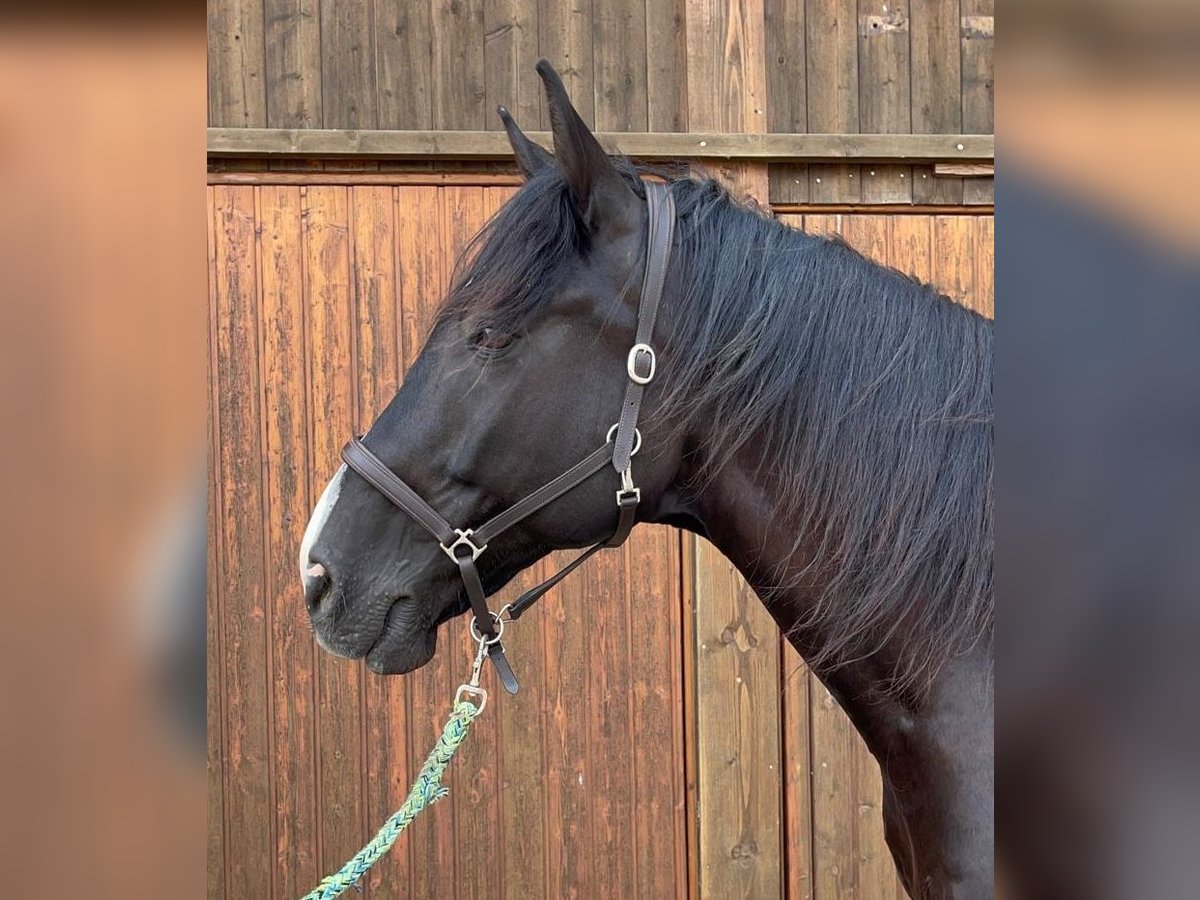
pixel 465 546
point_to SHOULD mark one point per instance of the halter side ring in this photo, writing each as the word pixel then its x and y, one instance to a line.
pixel 637 438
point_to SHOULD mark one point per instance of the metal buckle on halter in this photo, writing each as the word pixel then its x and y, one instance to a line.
pixel 464 537
pixel 627 488
pixel 631 363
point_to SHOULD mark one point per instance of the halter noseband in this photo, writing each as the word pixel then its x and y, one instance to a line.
pixel 464 546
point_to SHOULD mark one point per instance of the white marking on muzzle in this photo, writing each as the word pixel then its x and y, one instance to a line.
pixel 320 515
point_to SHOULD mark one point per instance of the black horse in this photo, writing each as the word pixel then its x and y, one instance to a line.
pixel 825 421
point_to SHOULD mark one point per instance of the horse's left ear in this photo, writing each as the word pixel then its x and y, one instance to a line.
pixel 530 156
pixel 602 196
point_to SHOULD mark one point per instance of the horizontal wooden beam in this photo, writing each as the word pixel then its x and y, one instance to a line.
pixel 966 170
pixel 287 142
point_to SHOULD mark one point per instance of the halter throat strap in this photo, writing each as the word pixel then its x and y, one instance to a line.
pixel 465 546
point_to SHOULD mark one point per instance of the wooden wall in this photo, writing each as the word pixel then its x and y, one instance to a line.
pixel 685 748
pixel 820 66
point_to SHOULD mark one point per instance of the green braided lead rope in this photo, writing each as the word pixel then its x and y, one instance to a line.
pixel 425 790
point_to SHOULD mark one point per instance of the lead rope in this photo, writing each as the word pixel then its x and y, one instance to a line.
pixel 427 789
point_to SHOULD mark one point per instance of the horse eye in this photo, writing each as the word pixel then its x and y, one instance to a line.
pixel 491 340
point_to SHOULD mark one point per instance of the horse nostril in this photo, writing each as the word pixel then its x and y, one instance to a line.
pixel 316 585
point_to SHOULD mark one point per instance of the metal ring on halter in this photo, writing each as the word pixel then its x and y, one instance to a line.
pixel 637 439
pixel 479 638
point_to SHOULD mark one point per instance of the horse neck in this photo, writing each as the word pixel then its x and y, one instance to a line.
pixel 841 459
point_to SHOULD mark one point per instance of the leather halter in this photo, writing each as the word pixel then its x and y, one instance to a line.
pixel 464 546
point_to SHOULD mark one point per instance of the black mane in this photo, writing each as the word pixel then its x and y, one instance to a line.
pixel 864 395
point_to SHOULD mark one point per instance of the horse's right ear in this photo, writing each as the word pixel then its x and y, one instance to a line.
pixel 531 157
pixel 602 196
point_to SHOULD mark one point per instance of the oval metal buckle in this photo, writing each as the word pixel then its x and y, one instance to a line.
pixel 631 363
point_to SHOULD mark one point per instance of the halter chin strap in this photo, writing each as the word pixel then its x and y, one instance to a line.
pixel 465 546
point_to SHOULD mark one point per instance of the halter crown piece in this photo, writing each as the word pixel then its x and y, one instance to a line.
pixel 465 545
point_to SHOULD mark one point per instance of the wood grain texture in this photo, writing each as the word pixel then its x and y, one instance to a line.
pixel 787 91
pixel 348 65
pixel 458 88
pixel 619 43
pixel 655 609
pixel 833 92
pixel 237 96
pixel 510 51
pixel 666 65
pixel 293 63
pixel 796 734
pixel 214 659
pixel 983 285
pixel 978 83
pixel 404 64
pixel 884 92
pixel 288 505
pixel 565 38
pixel 244 617
pixel 738 762
pixel 448 146
pixel 936 85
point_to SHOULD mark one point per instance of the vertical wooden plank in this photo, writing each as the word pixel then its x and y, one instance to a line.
pixel 936 86
pixel 565 38
pixel 869 235
pixel 787 92
pixel 851 859
pixel 787 66
pixel 458 88
pixel 215 659
pixel 884 96
pixel 605 587
pixel 572 855
pixel 237 97
pixel 283 322
pixel 978 80
pixel 910 246
pixel 510 50
pixel 737 663
pixel 797 781
pixel 832 41
pixel 293 63
pixel 984 283
pixel 954 257
pixel 348 65
pixel 666 65
pixel 654 605
pixel 331 407
pixel 421 273
pixel 619 62
pixel 244 636
pixel 403 63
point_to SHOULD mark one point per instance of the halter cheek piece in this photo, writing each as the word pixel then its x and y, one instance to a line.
pixel 465 546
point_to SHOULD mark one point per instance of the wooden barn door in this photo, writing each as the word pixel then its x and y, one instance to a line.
pixel 320 297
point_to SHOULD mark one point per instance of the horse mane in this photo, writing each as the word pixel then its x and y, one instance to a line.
pixel 863 397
